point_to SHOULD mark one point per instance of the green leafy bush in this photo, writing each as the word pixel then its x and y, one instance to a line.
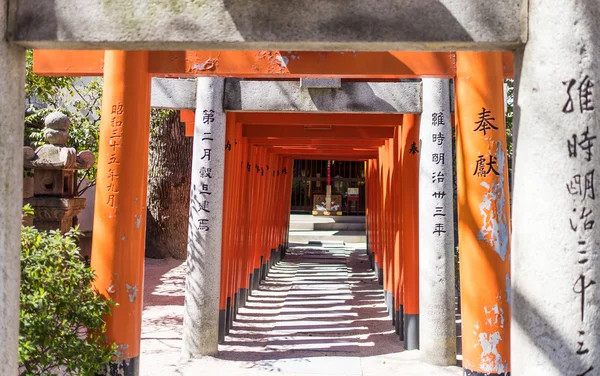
pixel 62 316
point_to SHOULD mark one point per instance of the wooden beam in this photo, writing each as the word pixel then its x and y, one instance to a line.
pixel 348 142
pixel 291 118
pixel 329 132
pixel 265 64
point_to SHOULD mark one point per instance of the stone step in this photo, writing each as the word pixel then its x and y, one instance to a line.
pixel 327 236
pixel 304 218
pixel 333 226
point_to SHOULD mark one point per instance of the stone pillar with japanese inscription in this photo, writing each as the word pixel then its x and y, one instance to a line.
pixel 436 227
pixel 201 312
pixel 556 240
pixel 12 98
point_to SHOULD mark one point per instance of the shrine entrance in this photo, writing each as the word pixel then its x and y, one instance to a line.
pixel 247 134
pixel 310 179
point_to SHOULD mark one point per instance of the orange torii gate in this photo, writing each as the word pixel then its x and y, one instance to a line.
pixel 266 64
pixel 261 141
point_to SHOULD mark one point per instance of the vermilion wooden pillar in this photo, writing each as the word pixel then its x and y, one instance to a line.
pixel 238 150
pixel 287 175
pixel 384 246
pixel 483 213
pixel 377 225
pixel 243 222
pixel 225 304
pixel 397 232
pixel 120 205
pixel 252 200
pixel 410 228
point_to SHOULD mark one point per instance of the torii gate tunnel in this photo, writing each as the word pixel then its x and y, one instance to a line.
pixel 530 304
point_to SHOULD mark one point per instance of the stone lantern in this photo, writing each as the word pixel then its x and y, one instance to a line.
pixel 54 179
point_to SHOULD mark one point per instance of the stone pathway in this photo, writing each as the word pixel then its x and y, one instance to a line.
pixel 319 312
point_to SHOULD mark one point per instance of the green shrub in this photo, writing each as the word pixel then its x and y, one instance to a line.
pixel 62 316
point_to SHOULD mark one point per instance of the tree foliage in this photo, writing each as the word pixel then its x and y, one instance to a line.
pixel 62 316
pixel 79 99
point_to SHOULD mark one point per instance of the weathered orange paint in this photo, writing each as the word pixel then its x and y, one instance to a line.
pixel 483 215
pixel 410 212
pixel 120 204
pixel 265 64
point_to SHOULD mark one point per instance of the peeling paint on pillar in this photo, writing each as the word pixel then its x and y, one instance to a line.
pixel 132 291
pixel 277 64
pixel 209 65
pixel 494 230
pixel 483 213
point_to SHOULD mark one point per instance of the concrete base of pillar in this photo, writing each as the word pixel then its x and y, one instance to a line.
pixel 379 274
pixel 268 263
pixel 392 311
pixel 222 324
pixel 389 304
pixel 243 294
pixel 227 315
pixel 466 372
pixel 250 284
pixel 261 273
pixel 236 304
pixel 398 322
pixel 411 331
pixel 272 259
pixel 124 367
pixel 232 305
pixel 256 279
pixel 281 252
pixel 264 270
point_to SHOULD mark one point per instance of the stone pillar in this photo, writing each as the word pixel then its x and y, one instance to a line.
pixel 410 228
pixel 555 266
pixel 436 227
pixel 483 213
pixel 12 99
pixel 120 203
pixel 201 314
